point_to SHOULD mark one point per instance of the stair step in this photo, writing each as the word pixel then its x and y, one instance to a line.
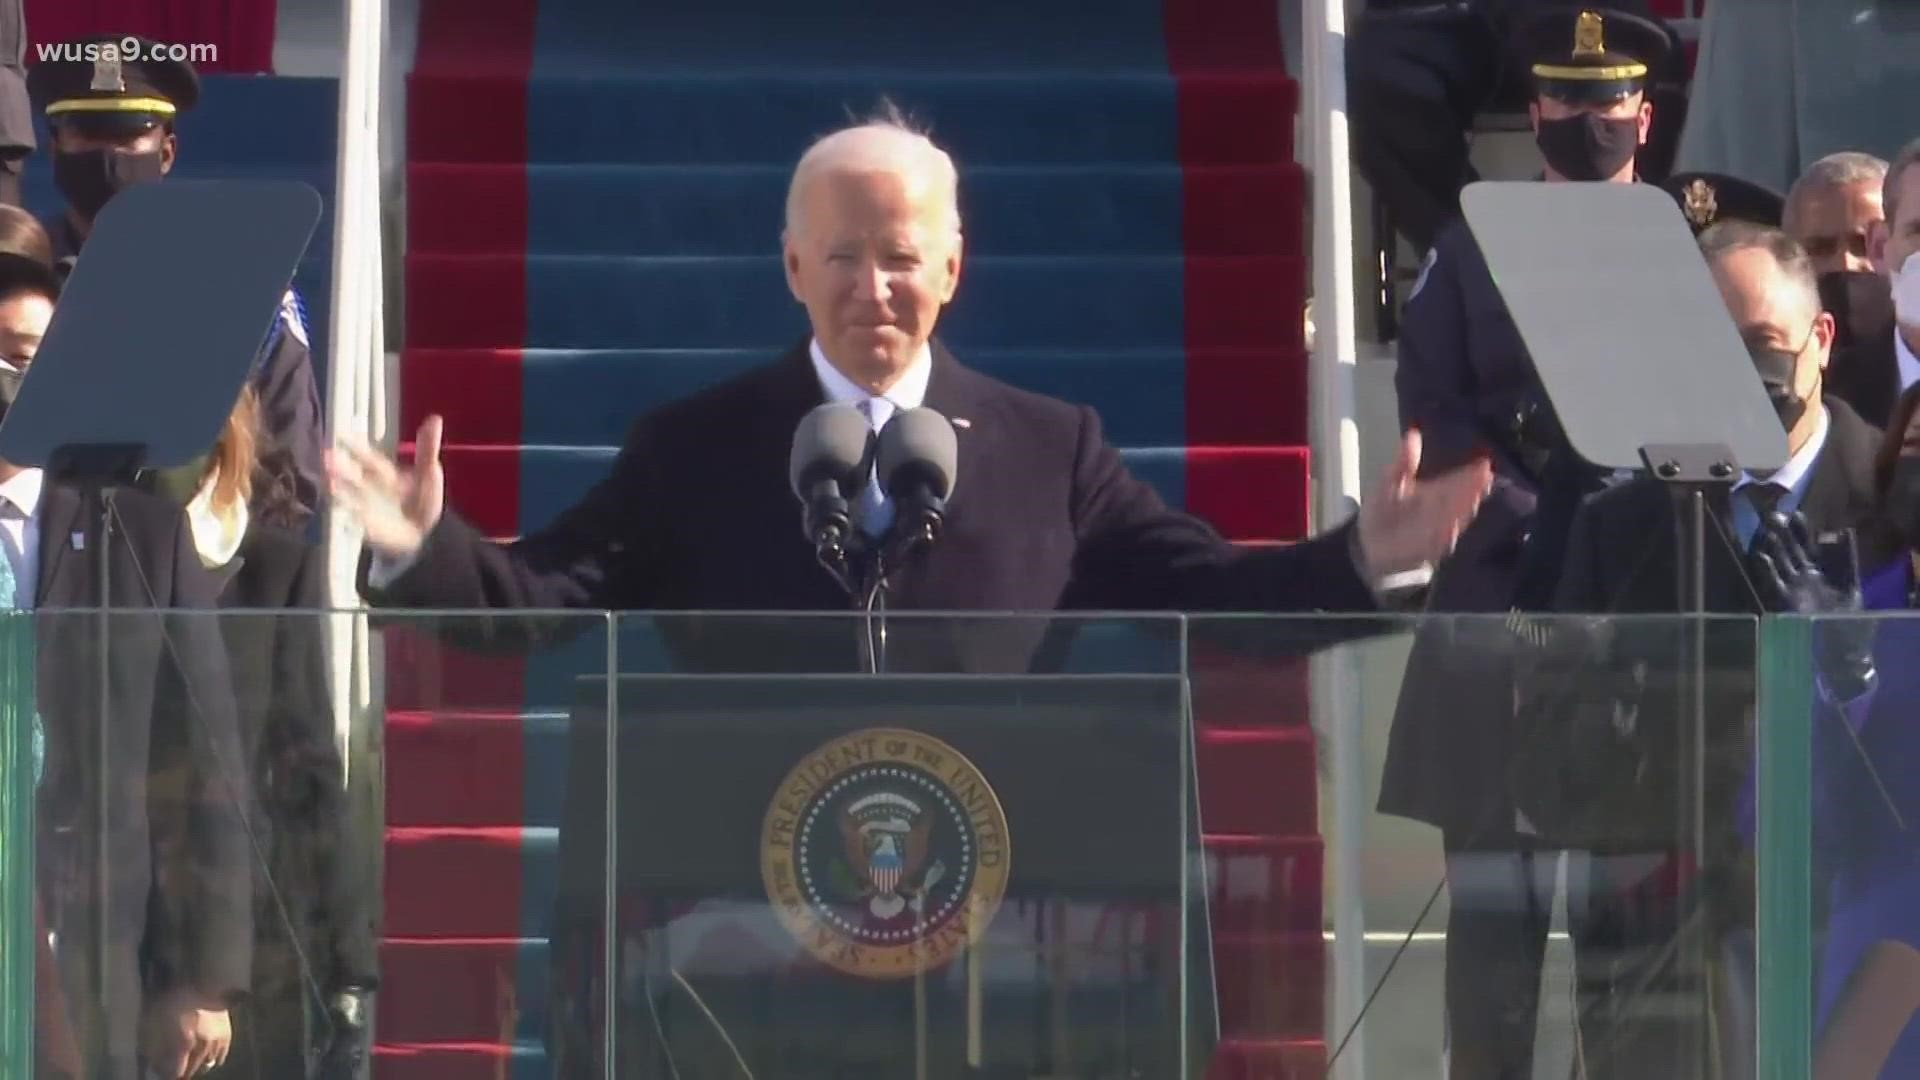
pixel 1271 987
pixel 1252 783
pixel 483 482
pixel 507 876
pixel 767 117
pixel 685 210
pixel 521 1060
pixel 588 397
pixel 579 301
pixel 440 991
pixel 1259 783
pixel 1269 1059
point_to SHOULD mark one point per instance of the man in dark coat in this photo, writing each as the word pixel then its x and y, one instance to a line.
pixel 1654 903
pixel 164 823
pixel 697 512
pixel 1871 374
pixel 112 118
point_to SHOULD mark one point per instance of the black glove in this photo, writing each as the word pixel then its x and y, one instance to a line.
pixel 344 1057
pixel 1843 644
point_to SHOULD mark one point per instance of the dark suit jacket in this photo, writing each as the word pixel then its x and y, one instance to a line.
pixel 1576 780
pixel 1867 377
pixel 178 891
pixel 278 657
pixel 1455 730
pixel 697 514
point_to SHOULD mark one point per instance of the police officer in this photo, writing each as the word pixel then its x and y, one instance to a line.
pixel 1706 198
pixel 1466 381
pixel 112 118
pixel 1419 71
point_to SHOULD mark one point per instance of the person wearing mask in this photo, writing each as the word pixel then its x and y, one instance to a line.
pixel 1832 210
pixel 177 920
pixel 113 122
pixel 1706 199
pixel 1864 763
pixel 1877 369
pixel 1467 382
pixel 1604 792
pixel 1419 72
pixel 314 966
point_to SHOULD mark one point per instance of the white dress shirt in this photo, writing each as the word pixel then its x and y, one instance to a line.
pixel 910 392
pixel 216 532
pixel 20 532
pixel 1791 476
pixel 1903 357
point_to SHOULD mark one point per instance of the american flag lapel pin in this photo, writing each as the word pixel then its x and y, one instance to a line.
pixel 962 422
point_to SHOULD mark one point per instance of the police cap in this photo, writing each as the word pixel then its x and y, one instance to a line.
pixel 115 84
pixel 1591 55
pixel 1706 198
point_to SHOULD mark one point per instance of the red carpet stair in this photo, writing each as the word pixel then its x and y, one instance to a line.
pixel 593 208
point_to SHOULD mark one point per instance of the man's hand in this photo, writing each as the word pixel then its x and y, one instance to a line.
pixel 396 506
pixel 188 1034
pixel 1843 644
pixel 1410 523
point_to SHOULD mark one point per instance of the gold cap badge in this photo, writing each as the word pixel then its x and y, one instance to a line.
pixel 1588 38
pixel 108 76
pixel 1700 203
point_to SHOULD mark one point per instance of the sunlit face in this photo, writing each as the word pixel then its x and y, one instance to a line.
pixel 1634 106
pixel 1836 224
pixel 23 322
pixel 1899 237
pixel 874 258
pixel 72 139
pixel 1771 313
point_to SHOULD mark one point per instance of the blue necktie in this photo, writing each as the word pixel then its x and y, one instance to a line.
pixel 875 512
pixel 9 596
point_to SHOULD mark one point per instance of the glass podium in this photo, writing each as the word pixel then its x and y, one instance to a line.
pixel 598 845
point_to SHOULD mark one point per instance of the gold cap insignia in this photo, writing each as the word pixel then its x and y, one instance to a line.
pixel 108 77
pixel 1588 39
pixel 1700 204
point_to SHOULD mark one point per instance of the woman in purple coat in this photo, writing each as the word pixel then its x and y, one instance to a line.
pixel 1866 787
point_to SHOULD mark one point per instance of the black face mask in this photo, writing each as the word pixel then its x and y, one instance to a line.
pixel 1588 146
pixel 9 388
pixel 1861 303
pixel 1901 503
pixel 88 178
pixel 1777 368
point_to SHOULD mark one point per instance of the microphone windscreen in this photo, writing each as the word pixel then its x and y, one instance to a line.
pixel 919 445
pixel 830 443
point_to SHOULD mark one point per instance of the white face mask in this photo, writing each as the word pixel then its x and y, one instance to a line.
pixel 1906 292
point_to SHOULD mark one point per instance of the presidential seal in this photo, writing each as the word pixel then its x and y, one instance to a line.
pixel 885 853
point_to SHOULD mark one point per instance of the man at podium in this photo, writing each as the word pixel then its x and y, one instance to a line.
pixel 697 511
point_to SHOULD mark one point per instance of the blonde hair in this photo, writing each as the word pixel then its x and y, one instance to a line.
pixel 236 453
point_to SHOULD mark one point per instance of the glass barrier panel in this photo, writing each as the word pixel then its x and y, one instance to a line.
pixel 924 846
pixel 1481 845
pixel 1840 863
pixel 21 947
pixel 200 863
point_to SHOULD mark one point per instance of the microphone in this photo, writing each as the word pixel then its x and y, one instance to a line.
pixel 918 460
pixel 832 450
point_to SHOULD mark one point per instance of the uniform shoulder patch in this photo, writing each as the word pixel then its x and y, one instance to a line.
pixel 1426 268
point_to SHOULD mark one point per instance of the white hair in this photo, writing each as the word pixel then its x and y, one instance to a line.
pixel 885 144
pixel 1831 173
